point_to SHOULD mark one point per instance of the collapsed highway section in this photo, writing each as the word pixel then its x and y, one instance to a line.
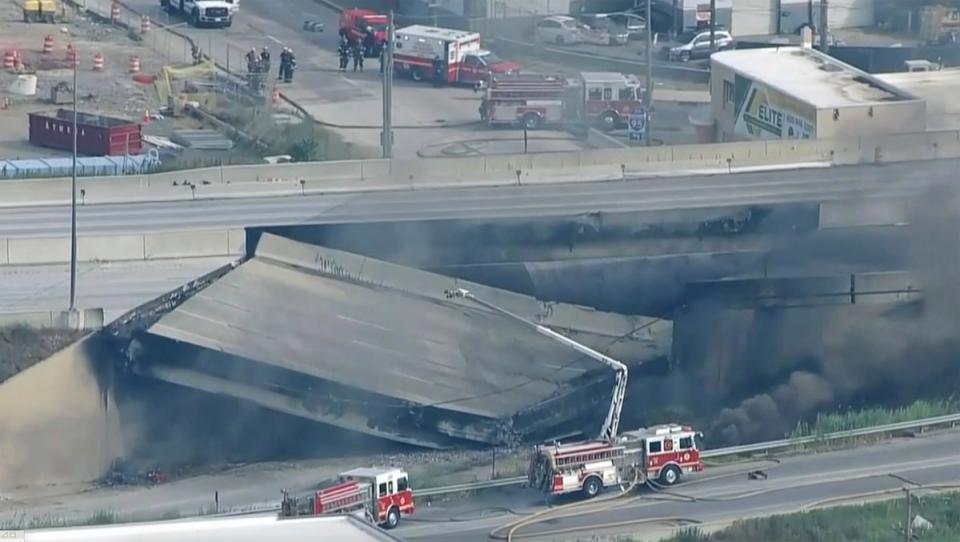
pixel 377 348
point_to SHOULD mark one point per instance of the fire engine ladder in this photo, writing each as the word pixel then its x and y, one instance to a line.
pixel 612 423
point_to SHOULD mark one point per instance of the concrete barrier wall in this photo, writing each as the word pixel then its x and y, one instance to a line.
pixel 365 175
pixel 89 319
pixel 126 247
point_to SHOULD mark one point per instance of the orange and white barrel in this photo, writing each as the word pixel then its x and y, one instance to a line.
pixel 115 13
pixel 98 62
pixel 10 59
pixel 134 64
pixel 71 56
pixel 275 97
pixel 144 24
pixel 47 44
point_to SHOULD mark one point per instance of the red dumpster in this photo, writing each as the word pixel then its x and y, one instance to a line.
pixel 97 135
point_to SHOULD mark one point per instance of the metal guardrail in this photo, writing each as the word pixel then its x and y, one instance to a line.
pixel 724 452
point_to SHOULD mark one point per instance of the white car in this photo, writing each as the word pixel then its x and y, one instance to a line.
pixel 559 29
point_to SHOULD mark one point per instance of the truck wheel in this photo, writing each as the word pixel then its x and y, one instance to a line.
pixel 532 121
pixel 669 475
pixel 609 120
pixel 685 56
pixel 591 488
pixel 393 518
pixel 416 74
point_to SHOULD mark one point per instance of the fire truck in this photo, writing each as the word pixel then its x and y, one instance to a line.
pixel 531 100
pixel 355 22
pixel 661 453
pixel 381 495
pixel 464 62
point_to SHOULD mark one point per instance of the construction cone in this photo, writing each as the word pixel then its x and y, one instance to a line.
pixel 134 64
pixel 146 116
pixel 10 59
pixel 144 24
pixel 6 103
pixel 276 96
pixel 48 44
pixel 114 13
pixel 98 62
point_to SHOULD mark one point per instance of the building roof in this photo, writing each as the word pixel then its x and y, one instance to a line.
pixel 251 529
pixel 421 31
pixel 938 89
pixel 810 76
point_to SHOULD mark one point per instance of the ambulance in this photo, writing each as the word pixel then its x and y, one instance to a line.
pixel 463 61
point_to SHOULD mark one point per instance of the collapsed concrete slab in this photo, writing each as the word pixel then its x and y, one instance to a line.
pixel 377 348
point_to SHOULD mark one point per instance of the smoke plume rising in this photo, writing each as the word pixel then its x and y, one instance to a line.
pixel 889 356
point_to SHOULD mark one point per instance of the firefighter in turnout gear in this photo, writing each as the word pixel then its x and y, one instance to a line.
pixel 253 61
pixel 357 58
pixel 284 57
pixel 343 51
pixel 265 60
pixel 289 67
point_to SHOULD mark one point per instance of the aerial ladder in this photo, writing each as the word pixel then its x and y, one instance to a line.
pixel 611 424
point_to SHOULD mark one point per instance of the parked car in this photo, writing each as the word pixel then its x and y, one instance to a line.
pixel 559 29
pixel 635 24
pixel 696 44
pixel 600 30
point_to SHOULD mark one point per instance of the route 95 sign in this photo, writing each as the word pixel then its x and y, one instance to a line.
pixel 637 125
pixel 12 536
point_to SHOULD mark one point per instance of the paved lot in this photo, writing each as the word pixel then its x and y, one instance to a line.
pixel 419 110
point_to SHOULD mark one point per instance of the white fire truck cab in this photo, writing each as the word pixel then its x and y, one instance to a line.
pixel 381 494
pixel 463 61
pixel 532 100
pixel 662 453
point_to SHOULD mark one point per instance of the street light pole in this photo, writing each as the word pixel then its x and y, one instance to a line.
pixel 386 136
pixel 73 200
pixel 648 99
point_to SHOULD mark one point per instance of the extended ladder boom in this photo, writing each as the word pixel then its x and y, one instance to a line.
pixel 610 427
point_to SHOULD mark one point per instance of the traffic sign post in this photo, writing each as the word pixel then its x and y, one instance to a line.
pixel 637 125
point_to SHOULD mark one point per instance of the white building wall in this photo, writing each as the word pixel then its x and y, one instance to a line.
pixel 526 8
pixel 851 13
pixel 754 17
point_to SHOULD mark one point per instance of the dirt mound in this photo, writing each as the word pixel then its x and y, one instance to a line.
pixel 21 346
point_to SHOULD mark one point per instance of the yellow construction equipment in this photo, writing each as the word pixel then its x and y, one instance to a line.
pixel 40 11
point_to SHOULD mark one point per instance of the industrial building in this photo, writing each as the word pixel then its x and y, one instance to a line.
pixel 756 17
pixel 801 93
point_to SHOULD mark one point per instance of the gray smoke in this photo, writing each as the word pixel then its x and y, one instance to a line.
pixel 890 356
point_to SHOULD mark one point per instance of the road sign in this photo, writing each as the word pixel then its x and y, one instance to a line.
pixel 637 125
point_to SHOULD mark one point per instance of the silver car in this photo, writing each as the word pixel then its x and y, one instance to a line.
pixel 601 30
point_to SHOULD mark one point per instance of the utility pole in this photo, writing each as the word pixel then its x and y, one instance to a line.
pixel 73 204
pixel 386 137
pixel 824 30
pixel 908 526
pixel 713 26
pixel 648 98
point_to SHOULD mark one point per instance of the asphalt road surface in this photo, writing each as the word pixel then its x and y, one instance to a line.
pixel 522 201
pixel 722 494
pixel 116 287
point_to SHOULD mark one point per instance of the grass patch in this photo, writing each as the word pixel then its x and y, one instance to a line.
pixel 23 346
pixel 861 418
pixel 880 522
pixel 50 521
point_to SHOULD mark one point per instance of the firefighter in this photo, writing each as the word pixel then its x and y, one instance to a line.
pixel 253 61
pixel 357 58
pixel 265 60
pixel 369 42
pixel 284 56
pixel 290 67
pixel 344 51
pixel 439 74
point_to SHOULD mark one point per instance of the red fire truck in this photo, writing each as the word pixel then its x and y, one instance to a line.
pixel 533 100
pixel 355 22
pixel 662 453
pixel 382 495
pixel 417 47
